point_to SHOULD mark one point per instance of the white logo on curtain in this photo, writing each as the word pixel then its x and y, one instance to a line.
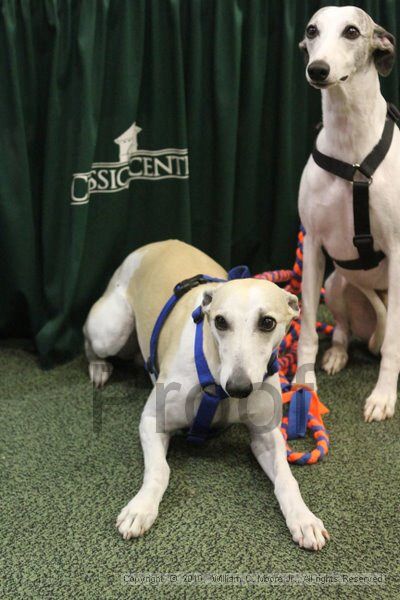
pixel 133 163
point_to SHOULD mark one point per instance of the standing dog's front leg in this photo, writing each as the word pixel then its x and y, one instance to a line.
pixel 270 450
pixel 380 404
pixel 141 512
pixel 313 273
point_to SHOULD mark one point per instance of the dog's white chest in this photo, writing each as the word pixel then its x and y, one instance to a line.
pixel 326 210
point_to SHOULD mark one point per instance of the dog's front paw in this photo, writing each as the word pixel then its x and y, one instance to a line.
pixel 100 372
pixel 335 359
pixel 307 530
pixel 137 517
pixel 380 405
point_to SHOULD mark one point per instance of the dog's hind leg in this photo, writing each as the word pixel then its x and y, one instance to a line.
pixel 107 330
pixel 336 357
pixel 379 304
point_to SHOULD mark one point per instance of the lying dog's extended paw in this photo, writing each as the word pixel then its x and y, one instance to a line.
pixel 100 372
pixel 137 517
pixel 335 359
pixel 307 530
pixel 379 406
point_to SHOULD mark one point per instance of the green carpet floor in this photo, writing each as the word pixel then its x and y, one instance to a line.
pixel 62 485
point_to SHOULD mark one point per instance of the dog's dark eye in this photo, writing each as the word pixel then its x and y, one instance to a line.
pixel 351 32
pixel 311 32
pixel 266 324
pixel 221 323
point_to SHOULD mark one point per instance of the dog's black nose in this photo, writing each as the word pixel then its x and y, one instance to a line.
pixel 239 385
pixel 318 70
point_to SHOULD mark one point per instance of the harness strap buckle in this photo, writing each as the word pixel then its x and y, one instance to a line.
pixel 363 171
pixel 210 388
pixel 363 241
pixel 186 285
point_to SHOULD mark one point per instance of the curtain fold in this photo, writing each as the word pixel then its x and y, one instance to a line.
pixel 124 122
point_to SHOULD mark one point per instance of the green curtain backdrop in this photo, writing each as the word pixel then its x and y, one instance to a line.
pixel 211 98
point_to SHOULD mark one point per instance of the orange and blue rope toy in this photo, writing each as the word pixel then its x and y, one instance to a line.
pixel 305 410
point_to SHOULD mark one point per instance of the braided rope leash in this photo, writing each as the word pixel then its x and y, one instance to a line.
pixel 305 410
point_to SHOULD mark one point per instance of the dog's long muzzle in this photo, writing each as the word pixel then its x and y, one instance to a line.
pixel 239 384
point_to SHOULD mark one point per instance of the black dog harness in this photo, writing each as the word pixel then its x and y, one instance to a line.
pixel 362 240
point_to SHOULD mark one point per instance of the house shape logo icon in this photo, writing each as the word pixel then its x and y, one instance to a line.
pixel 133 164
pixel 127 143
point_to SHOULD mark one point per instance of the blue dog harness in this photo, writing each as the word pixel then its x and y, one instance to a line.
pixel 212 394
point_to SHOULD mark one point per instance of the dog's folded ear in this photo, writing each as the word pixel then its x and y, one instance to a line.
pixel 293 305
pixel 383 50
pixel 303 48
pixel 207 299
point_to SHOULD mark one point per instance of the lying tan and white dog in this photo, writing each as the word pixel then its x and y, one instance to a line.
pixel 244 321
pixel 349 199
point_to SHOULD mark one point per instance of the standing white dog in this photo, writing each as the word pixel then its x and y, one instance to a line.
pixel 350 207
pixel 244 322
